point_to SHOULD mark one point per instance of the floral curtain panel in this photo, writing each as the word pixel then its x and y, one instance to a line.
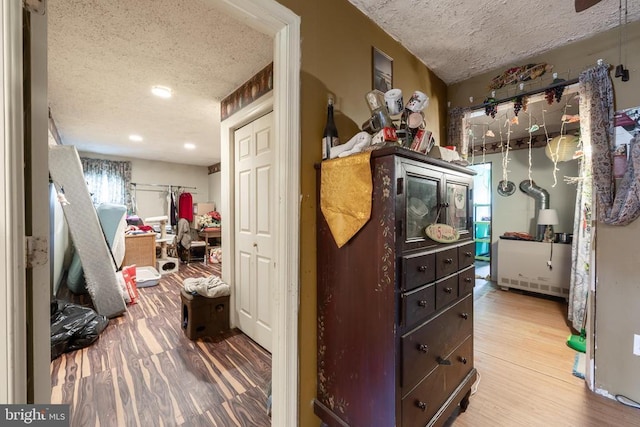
pixel 613 207
pixel 108 181
pixel 581 245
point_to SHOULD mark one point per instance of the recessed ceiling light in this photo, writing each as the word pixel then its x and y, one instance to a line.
pixel 161 91
pixel 136 138
pixel 189 146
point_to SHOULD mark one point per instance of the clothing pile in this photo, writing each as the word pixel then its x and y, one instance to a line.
pixel 210 287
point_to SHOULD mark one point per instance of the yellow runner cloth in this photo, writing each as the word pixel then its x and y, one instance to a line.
pixel 345 195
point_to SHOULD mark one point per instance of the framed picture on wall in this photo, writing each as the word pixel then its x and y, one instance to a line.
pixel 382 70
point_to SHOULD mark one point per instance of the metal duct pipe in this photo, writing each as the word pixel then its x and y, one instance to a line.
pixel 541 197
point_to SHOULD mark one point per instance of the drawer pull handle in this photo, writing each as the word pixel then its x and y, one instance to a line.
pixel 420 404
pixel 467 279
pixel 448 290
pixel 468 254
pixel 463 360
pixel 423 268
pixel 423 348
pixel 465 316
pixel 442 361
pixel 448 261
pixel 423 303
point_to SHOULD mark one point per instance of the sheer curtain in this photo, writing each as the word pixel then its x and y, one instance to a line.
pixel 613 207
pixel 108 181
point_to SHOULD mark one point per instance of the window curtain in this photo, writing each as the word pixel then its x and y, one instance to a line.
pixel 582 240
pixel 455 136
pixel 108 181
pixel 613 207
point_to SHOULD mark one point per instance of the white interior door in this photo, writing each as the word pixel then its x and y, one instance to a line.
pixel 254 235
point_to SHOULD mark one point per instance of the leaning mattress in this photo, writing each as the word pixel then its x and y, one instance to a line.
pixel 99 271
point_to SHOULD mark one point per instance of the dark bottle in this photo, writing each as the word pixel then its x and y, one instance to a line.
pixel 330 134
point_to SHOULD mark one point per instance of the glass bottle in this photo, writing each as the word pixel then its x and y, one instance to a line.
pixel 330 134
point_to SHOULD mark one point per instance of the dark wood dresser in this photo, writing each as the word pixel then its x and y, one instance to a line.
pixel 395 308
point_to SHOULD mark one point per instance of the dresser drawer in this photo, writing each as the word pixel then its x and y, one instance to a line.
pixel 424 346
pixel 446 262
pixel 418 270
pixel 446 291
pixel 418 305
pixel 419 406
pixel 466 281
pixel 466 255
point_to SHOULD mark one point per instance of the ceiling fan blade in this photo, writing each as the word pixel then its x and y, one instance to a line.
pixel 585 4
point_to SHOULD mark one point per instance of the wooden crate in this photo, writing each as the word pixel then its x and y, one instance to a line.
pixel 204 317
pixel 140 249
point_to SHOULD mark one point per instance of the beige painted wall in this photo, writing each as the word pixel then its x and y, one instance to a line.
pixel 618 289
pixel 336 58
pixel 153 172
pixel 214 188
pixel 517 212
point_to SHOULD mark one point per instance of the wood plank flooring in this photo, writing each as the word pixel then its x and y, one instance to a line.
pixel 525 367
pixel 144 371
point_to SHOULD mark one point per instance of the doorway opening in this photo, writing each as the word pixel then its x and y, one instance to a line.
pixel 482 209
pixel 283 26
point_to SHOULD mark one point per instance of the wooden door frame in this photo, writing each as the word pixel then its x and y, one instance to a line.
pixel 27 293
pixel 284 26
pixel 13 350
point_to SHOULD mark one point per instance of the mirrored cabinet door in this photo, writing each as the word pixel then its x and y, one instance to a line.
pixel 422 203
pixel 458 209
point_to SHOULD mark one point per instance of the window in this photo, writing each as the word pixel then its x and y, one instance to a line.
pixel 108 181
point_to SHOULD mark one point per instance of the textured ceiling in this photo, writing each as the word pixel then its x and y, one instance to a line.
pixel 461 39
pixel 104 57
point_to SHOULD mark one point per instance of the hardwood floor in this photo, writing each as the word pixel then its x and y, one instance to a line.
pixel 144 371
pixel 525 367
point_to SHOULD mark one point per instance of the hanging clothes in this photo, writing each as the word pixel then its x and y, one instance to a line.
pixel 185 206
pixel 172 209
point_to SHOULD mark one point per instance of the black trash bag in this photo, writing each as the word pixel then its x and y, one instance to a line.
pixel 73 327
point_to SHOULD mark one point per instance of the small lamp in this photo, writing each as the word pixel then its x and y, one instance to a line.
pixel 548 218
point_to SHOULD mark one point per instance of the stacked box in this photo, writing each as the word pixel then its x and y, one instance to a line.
pixel 204 317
